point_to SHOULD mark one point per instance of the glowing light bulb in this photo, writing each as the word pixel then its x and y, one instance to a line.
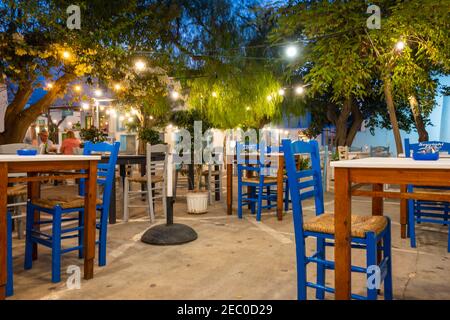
pixel 77 88
pixel 66 54
pixel 49 85
pixel 117 87
pixel 269 98
pixel 98 92
pixel 399 46
pixel 85 106
pixel 151 117
pixel 299 90
pixel 175 95
pixel 121 118
pixel 291 51
pixel 281 92
pixel 140 65
pixel 214 94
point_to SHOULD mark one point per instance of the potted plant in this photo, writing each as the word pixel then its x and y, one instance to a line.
pixel 92 134
pixel 197 198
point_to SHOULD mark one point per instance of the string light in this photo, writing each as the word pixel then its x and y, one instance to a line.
pixel 107 112
pixel 70 123
pixel 291 51
pixel 102 108
pixel 175 95
pixel 117 87
pixel 49 85
pixel 269 98
pixel 140 65
pixel 98 92
pixel 400 46
pixel 54 121
pixel 299 90
pixel 77 88
pixel 66 54
pixel 281 92
pixel 130 119
pixel 85 106
pixel 151 117
pixel 214 94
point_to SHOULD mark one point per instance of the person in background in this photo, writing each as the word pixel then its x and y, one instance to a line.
pixel 69 143
pixel 45 144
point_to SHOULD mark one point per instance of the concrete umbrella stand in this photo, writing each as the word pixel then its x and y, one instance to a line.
pixel 169 233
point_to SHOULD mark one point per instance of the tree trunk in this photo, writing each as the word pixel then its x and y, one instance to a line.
pixel 356 125
pixel 341 121
pixel 418 119
pixel 18 119
pixel 393 117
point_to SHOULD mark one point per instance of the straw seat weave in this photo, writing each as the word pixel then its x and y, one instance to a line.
pixel 324 223
pixel 69 202
pixel 17 190
pixel 137 178
pixel 256 180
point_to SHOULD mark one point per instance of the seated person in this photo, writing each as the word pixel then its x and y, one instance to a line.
pixel 45 144
pixel 69 143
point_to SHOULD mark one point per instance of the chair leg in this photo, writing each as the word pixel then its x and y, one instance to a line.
pixel 81 234
pixel 286 197
pixel 56 245
pixel 29 238
pixel 301 271
pixel 371 256
pixel 411 223
pixel 151 203
pixel 126 189
pixel 240 204
pixel 9 272
pixel 387 253
pixel 260 197
pixel 102 238
pixel 320 293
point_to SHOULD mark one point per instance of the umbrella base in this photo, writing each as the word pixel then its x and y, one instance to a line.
pixel 167 235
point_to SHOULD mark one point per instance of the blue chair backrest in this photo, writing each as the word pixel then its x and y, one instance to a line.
pixel 414 147
pixel 105 171
pixel 303 184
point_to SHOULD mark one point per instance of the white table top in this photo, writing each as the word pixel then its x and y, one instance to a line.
pixel 45 157
pixel 392 163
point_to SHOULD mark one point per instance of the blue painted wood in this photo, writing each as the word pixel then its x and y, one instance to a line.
pixel 371 243
pixel 421 211
pixel 9 262
pixel 261 190
pixel 106 175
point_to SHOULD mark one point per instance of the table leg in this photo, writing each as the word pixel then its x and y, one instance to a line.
pixel 377 210
pixel 34 192
pixel 90 220
pixel 229 188
pixel 403 213
pixel 280 178
pixel 3 230
pixel 342 250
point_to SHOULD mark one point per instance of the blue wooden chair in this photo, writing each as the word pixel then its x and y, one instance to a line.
pixel 259 184
pixel 61 209
pixel 9 262
pixel 427 211
pixel 367 232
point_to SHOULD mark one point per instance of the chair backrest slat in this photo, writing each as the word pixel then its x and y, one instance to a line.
pixel 414 147
pixel 105 171
pixel 303 184
pixel 157 166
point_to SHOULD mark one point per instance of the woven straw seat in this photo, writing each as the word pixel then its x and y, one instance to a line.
pixel 324 223
pixel 137 178
pixel 70 202
pixel 213 173
pixel 256 180
pixel 17 190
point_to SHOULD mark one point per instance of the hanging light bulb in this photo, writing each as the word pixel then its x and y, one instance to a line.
pixel 214 94
pixel 299 90
pixel 117 87
pixel 140 65
pixel 102 108
pixel 98 92
pixel 400 46
pixel 49 85
pixel 174 95
pixel 151 117
pixel 66 55
pixel 85 106
pixel 291 51
pixel 269 98
pixel 281 92
pixel 77 88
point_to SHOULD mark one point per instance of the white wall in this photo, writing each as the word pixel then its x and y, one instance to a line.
pixel 385 137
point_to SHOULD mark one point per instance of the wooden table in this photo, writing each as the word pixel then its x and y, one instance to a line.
pixel 377 172
pixel 52 165
pixel 280 178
